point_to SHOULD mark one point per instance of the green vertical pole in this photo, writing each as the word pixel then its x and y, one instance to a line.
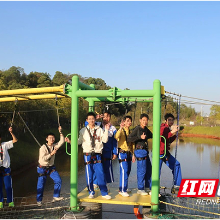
pixel 91 101
pixel 74 145
pixel 156 147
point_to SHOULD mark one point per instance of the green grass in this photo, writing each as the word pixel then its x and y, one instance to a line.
pixel 214 131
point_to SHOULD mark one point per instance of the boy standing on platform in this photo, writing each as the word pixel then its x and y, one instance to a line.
pixel 124 154
pixel 91 138
pixel 140 136
pixel 5 170
pixel 168 159
pixel 110 148
pixel 46 167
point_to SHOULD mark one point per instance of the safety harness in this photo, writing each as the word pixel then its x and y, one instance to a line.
pixel 93 154
pixel 142 158
pixel 123 151
pixel 47 168
pixel 92 137
pixel 3 173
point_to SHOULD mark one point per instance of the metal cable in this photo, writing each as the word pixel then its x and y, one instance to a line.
pixel 178 117
pixel 29 130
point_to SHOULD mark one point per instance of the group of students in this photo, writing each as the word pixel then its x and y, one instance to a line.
pixel 101 144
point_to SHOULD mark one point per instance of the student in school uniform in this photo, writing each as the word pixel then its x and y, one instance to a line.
pixel 140 136
pixel 5 170
pixel 125 150
pixel 92 137
pixel 46 167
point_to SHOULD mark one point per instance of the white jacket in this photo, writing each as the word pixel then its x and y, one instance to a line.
pixel 85 139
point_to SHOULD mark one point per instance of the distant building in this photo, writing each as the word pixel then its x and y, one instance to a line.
pixel 191 123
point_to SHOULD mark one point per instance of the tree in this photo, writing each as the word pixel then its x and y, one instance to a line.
pixel 215 112
pixel 44 80
pixel 60 78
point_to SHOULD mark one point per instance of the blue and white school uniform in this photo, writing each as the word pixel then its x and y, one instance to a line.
pixel 5 171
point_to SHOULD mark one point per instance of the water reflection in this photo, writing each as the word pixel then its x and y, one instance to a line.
pixel 199 158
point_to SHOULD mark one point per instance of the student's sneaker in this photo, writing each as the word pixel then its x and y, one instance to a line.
pixel 142 193
pixel 1 205
pixel 124 194
pixel 55 199
pixel 91 196
pixel 107 197
pixel 39 203
pixel 150 194
pixel 11 204
pixel 128 190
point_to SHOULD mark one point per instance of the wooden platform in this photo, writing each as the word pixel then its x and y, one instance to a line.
pixel 134 199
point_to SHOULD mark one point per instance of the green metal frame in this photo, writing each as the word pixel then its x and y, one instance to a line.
pixel 165 148
pixel 67 146
pixel 79 89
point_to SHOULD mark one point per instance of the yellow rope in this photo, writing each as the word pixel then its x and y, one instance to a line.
pixel 190 208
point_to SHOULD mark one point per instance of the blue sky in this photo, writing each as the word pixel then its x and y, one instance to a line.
pixel 128 44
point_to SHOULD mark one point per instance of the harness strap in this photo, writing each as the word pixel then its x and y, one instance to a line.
pixel 49 151
pixel 122 160
pixel 123 151
pixel 92 162
pixel 2 172
pixel 141 147
pixel 92 154
pixel 46 169
pixel 142 158
pixel 92 137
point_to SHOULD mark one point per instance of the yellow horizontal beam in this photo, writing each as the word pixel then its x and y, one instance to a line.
pixel 33 91
pixel 133 199
pixel 30 97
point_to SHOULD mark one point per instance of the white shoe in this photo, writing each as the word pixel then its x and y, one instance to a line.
pixel 55 199
pixel 107 197
pixel 39 203
pixel 142 192
pixel 128 190
pixel 124 194
pixel 91 196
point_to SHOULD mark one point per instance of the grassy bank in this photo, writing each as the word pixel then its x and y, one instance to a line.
pixel 213 131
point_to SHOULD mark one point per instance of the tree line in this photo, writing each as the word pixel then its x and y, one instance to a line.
pixel 39 114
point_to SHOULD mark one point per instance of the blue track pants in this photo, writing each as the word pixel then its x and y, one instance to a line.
pixel 144 169
pixel 125 169
pixel 54 175
pixel 97 169
pixel 5 175
pixel 171 163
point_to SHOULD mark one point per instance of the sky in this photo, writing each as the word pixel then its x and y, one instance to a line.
pixel 127 44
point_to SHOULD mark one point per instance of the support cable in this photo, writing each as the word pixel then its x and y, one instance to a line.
pixel 12 121
pixel 177 135
pixel 29 130
pixel 58 117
